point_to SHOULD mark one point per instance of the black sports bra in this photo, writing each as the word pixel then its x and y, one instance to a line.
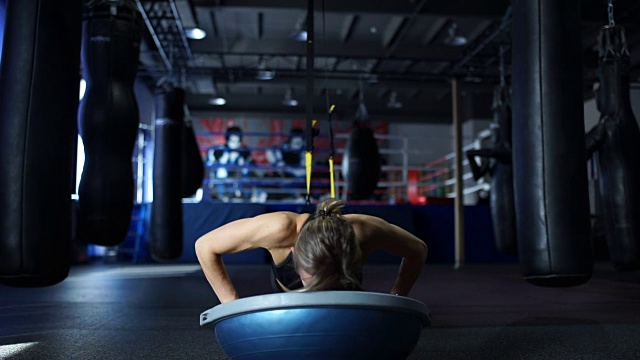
pixel 285 272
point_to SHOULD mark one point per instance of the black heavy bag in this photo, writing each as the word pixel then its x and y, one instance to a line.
pixel 192 164
pixel 498 165
pixel 617 140
pixel 166 209
pixel 108 121
pixel 550 183
pixel 39 84
pixel 3 9
pixel 361 162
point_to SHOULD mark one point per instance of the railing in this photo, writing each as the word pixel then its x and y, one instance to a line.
pixel 399 182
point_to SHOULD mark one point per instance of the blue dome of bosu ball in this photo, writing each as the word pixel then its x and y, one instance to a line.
pixel 318 326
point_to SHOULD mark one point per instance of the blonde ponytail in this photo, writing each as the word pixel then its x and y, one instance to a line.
pixel 328 250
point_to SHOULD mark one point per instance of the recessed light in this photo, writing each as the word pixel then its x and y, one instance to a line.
pixel 299 35
pixel 195 33
pixel 219 101
pixel 290 102
pixel 265 74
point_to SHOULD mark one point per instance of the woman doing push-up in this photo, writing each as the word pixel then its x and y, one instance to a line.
pixel 321 251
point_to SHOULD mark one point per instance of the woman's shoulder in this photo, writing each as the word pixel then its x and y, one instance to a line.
pixel 365 226
pixel 272 230
pixel 362 219
pixel 278 218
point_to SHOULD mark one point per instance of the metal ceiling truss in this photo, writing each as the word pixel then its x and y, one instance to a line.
pixel 168 34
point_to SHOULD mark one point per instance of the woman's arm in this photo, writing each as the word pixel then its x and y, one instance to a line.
pixel 263 231
pixel 378 234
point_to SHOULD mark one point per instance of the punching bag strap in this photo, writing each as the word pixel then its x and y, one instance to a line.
pixel 479 170
pixel 310 90
pixel 595 138
pixel 332 152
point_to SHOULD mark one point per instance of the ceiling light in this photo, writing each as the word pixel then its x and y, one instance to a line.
pixel 300 35
pixel 288 99
pixel 195 33
pixel 372 78
pixel 458 41
pixel 393 101
pixel 290 102
pixel 218 101
pixel 265 75
pixel 453 39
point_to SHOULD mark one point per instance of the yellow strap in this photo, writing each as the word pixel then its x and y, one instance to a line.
pixel 308 159
pixel 309 162
pixel 331 178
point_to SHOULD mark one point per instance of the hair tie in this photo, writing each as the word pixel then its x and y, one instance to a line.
pixel 322 213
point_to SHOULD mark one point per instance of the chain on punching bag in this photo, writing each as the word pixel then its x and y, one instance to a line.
pixel 108 120
pixel 616 138
pixel 39 85
pixel 166 209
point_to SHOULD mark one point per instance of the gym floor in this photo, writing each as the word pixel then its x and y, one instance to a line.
pixel 482 311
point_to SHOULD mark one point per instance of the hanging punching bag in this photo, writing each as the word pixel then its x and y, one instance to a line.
pixel 166 209
pixel 499 167
pixel 3 7
pixel 361 162
pixel 550 184
pixel 501 197
pixel 617 140
pixel 39 85
pixel 108 121
pixel 192 164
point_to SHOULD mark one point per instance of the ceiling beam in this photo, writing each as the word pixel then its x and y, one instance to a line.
pixel 348 25
pixel 434 29
pixel 288 76
pixel 392 31
pixel 458 8
pixel 285 47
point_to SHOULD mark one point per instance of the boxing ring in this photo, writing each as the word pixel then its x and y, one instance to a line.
pixel 399 181
pixel 318 325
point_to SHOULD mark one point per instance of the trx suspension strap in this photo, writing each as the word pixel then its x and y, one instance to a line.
pixel 310 92
pixel 332 152
pixel 330 109
pixel 311 131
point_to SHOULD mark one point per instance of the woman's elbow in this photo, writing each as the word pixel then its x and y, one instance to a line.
pixel 202 247
pixel 422 252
